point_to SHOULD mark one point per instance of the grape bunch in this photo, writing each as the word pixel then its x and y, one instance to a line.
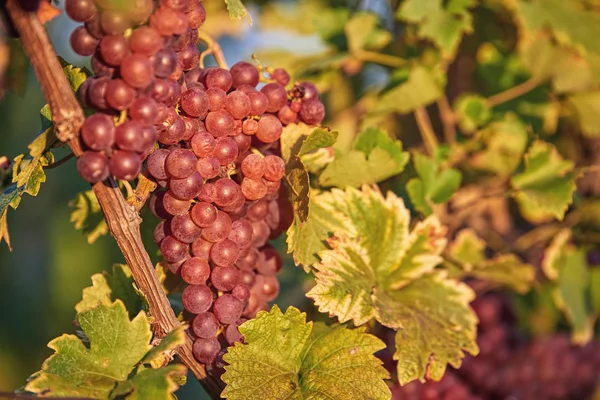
pixel 138 54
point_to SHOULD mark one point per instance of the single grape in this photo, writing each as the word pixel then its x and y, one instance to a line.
pixel 119 95
pixel 243 143
pixel 269 129
pixel 201 248
pixel 276 95
pixel 194 102
pixel 272 186
pixel 205 325
pixel 244 73
pixel 220 78
pixel 258 103
pixel 137 70
pixel 208 167
pixel 114 22
pixel 281 76
pixel 80 10
pixel 253 166
pixel 82 42
pixel 196 16
pixel 92 166
pixel 173 250
pixel 164 63
pixel 219 229
pixel 140 10
pixel 225 191
pixel 184 229
pixel 216 99
pixel 206 350
pixel 175 206
pixel 232 334
pixel 238 104
pixel 168 21
pixel 146 41
pixel 286 115
pixel 161 231
pixel 219 123
pixel 258 210
pixel 267 286
pixel 247 261
pixel 143 109
pixel 241 233
pixel 125 165
pixel 224 253
pixel 195 271
pixel 269 262
pixel 189 57
pixel 187 188
pixel 274 168
pixel 260 233
pixel 249 127
pixel 226 150
pixel 173 133
pixel 156 205
pixel 197 298
pixel 156 164
pixel 253 189
pixel 180 163
pixel 99 67
pixel 113 49
pixel 224 278
pixel 129 136
pixel 241 292
pixel 98 132
pixel 203 144
pixel 312 112
pixel 228 309
pixel 203 214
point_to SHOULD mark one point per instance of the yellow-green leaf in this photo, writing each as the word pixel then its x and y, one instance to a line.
pixel 237 10
pixel 88 216
pixel 284 357
pixel 419 90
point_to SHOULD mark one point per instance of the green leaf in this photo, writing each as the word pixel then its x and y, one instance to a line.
pixel 306 239
pixel 107 288
pixel 363 33
pixel 375 157
pixel 547 182
pixel 151 384
pixel 505 142
pixel 436 184
pixel 566 265
pixel 505 269
pixel 284 357
pixel 587 112
pixel 75 75
pixel 376 262
pixel 417 10
pixel 434 323
pixel 419 90
pixel 471 112
pixel 88 216
pixel 167 344
pixel 4 229
pixel 237 10
pixel 116 346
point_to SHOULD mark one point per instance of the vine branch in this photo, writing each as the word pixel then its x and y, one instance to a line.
pixel 448 120
pixel 122 218
pixel 513 92
pixel 214 48
pixel 380 58
pixel 426 130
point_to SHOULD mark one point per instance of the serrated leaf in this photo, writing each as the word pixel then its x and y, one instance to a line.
pixel 435 185
pixel 306 239
pixel 156 384
pixel 116 346
pixel 375 157
pixel 419 90
pixel 376 259
pixel 173 340
pixel 284 357
pixel 547 181
pixel 471 112
pixel 237 10
pixel 505 142
pixel 317 139
pixel 468 249
pixel 363 33
pixel 566 265
pixel 434 325
pixel 587 112
pixel 296 176
pixel 88 216
pixel 106 288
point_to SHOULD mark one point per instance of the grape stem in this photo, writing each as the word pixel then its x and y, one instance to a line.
pixel 60 162
pixel 380 58
pixel 424 123
pixel 513 92
pixel 122 218
pixel 213 48
pixel 128 189
pixel 141 193
pixel 448 120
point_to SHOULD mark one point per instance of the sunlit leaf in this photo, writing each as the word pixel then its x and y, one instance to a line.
pixel 237 10
pixel 88 216
pixel 419 90
pixel 471 111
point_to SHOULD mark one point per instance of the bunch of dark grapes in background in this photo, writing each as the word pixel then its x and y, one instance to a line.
pixel 210 138
pixel 510 366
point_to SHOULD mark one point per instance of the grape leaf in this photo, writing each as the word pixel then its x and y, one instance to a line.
pixel 505 269
pixel 444 26
pixel 433 322
pixel 306 239
pixel 371 270
pixel 88 216
pixel 505 142
pixel 149 383
pixel 566 265
pixel 363 33
pixel 4 229
pixel 237 10
pixel 159 354
pixel 471 112
pixel 435 185
pixel 420 89
pixel 375 157
pixel 547 181
pixel 116 346
pixel 587 110
pixel 284 357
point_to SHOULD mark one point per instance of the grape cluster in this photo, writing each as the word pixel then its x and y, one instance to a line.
pixel 210 140
pixel 138 55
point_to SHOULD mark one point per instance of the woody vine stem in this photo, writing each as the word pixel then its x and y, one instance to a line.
pixel 122 218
